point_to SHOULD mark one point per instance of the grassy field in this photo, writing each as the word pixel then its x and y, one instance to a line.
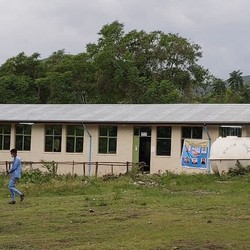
pixel 129 212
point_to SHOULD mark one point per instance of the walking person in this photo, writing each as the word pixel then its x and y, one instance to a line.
pixel 15 175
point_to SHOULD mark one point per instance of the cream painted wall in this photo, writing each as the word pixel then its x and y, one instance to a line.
pixel 123 153
pixel 245 131
pixel 161 164
pixel 37 154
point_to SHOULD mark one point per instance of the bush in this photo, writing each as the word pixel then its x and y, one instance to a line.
pixel 35 176
pixel 239 169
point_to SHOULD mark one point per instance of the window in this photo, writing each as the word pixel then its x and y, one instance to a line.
pixel 107 139
pixel 191 133
pixel 164 140
pixel 230 131
pixel 5 131
pixel 75 136
pixel 23 137
pixel 53 138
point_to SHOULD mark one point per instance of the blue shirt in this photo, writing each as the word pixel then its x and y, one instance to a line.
pixel 15 170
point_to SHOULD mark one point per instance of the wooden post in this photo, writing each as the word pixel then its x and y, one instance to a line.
pixel 83 169
pixel 112 169
pixel 96 169
pixel 54 167
pixel 73 168
pixel 6 166
pixel 127 163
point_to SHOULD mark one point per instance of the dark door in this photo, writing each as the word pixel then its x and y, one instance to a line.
pixel 145 152
pixel 142 146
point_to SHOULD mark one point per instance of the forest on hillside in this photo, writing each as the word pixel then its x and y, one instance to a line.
pixel 121 67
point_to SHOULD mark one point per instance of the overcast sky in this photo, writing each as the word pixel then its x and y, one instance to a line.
pixel 220 27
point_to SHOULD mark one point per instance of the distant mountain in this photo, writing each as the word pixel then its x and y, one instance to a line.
pixel 246 79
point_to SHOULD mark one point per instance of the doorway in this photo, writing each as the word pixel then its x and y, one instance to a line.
pixel 142 146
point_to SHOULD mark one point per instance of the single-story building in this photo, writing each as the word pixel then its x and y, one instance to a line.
pixel 150 133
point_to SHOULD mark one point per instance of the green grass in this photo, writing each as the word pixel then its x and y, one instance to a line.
pixel 129 212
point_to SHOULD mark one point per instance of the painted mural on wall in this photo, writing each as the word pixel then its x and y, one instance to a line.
pixel 195 153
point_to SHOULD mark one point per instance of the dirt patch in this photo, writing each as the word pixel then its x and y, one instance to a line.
pixel 192 245
pixel 203 192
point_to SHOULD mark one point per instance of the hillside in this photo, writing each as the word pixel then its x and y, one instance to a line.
pixel 246 79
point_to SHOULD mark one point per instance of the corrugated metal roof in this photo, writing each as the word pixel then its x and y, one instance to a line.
pixel 127 113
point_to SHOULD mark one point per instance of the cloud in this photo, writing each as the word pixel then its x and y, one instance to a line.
pixel 45 26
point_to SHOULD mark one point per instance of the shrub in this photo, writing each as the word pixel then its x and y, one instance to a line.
pixel 35 176
pixel 239 169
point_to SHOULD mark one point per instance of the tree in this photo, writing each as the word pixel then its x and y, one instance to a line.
pixel 68 79
pixel 16 89
pixel 127 64
pixel 162 92
pixel 236 81
pixel 245 94
pixel 219 91
pixel 29 66
pixel 17 77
